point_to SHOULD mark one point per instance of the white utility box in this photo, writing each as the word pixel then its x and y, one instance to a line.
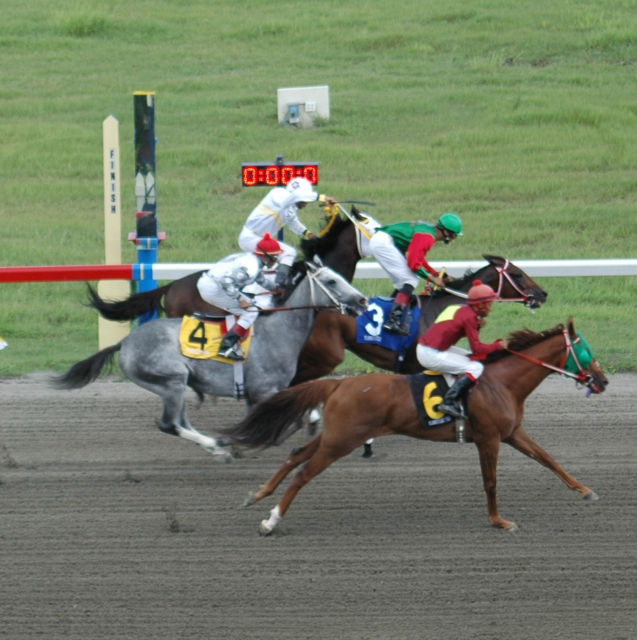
pixel 299 106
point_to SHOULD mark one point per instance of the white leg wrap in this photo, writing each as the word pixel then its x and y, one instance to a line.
pixel 268 525
pixel 207 442
pixel 315 416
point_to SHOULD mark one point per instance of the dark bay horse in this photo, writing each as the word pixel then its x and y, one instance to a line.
pixel 332 334
pixel 337 248
pixel 152 358
pixel 356 409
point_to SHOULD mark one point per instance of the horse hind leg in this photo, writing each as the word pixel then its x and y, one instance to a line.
pixel 212 445
pixel 174 420
pixel 323 458
pixel 296 458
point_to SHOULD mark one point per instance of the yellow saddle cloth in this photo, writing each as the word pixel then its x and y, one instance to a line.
pixel 201 339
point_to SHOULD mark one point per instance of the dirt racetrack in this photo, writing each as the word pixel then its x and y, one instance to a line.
pixel 110 529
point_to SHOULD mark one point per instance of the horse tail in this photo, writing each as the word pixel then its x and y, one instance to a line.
pixel 86 371
pixel 132 307
pixel 273 420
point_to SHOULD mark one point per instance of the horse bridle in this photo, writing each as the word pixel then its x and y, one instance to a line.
pixel 581 376
pixel 502 274
pixel 312 275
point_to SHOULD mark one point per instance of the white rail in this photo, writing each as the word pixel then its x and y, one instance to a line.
pixel 534 268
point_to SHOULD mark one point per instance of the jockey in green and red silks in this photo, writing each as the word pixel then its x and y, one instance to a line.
pixel 401 250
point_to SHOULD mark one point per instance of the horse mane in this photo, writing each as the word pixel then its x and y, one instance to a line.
pixel 468 278
pixel 321 245
pixel 523 339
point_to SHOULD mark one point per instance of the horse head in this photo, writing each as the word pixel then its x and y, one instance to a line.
pixel 582 359
pixel 329 287
pixel 336 246
pixel 511 283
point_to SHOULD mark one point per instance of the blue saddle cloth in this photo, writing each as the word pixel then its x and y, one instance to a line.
pixel 370 326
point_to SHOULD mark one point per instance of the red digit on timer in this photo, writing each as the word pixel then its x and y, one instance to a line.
pixel 250 177
pixel 310 173
pixel 287 173
pixel 272 176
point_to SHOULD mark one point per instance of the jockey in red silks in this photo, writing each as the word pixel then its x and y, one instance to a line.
pixel 222 286
pixel 455 322
pixel 401 250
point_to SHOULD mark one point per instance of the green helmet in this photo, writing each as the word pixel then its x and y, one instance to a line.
pixel 450 222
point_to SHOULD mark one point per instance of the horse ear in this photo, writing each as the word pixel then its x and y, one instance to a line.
pixel 493 259
pixel 311 266
pixel 318 261
pixel 571 328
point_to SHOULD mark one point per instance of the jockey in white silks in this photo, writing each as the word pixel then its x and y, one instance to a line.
pixel 279 209
pixel 223 286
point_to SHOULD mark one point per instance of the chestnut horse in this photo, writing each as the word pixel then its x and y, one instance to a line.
pixel 368 406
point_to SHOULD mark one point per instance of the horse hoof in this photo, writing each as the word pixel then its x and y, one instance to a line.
pixel 264 529
pixel 513 527
pixel 221 456
pixel 367 453
pixel 591 497
pixel 249 501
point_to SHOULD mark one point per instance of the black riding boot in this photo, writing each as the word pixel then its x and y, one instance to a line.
pixel 230 347
pixel 398 318
pixel 454 396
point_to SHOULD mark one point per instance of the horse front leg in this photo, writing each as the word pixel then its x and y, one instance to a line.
pixel 489 452
pixel 297 457
pixel 523 442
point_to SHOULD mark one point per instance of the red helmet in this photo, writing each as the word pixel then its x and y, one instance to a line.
pixel 480 293
pixel 268 246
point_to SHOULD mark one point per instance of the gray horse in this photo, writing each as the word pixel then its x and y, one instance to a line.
pixel 151 355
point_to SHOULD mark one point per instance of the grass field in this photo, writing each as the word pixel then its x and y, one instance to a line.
pixel 520 119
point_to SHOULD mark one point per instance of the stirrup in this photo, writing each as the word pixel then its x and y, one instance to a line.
pixel 450 409
pixel 397 327
pixel 232 353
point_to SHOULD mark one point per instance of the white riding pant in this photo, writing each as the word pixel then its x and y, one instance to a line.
pixel 248 241
pixel 213 294
pixel 448 361
pixel 391 259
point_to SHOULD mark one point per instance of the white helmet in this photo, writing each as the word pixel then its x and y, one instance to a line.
pixel 303 190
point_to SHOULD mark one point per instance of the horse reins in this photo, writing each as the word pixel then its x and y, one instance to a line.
pixel 582 376
pixel 313 281
pixel 502 274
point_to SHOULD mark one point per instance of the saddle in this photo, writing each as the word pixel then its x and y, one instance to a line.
pixel 369 328
pixel 201 335
pixel 428 390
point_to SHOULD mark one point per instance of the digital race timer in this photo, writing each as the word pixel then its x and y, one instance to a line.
pixel 277 174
